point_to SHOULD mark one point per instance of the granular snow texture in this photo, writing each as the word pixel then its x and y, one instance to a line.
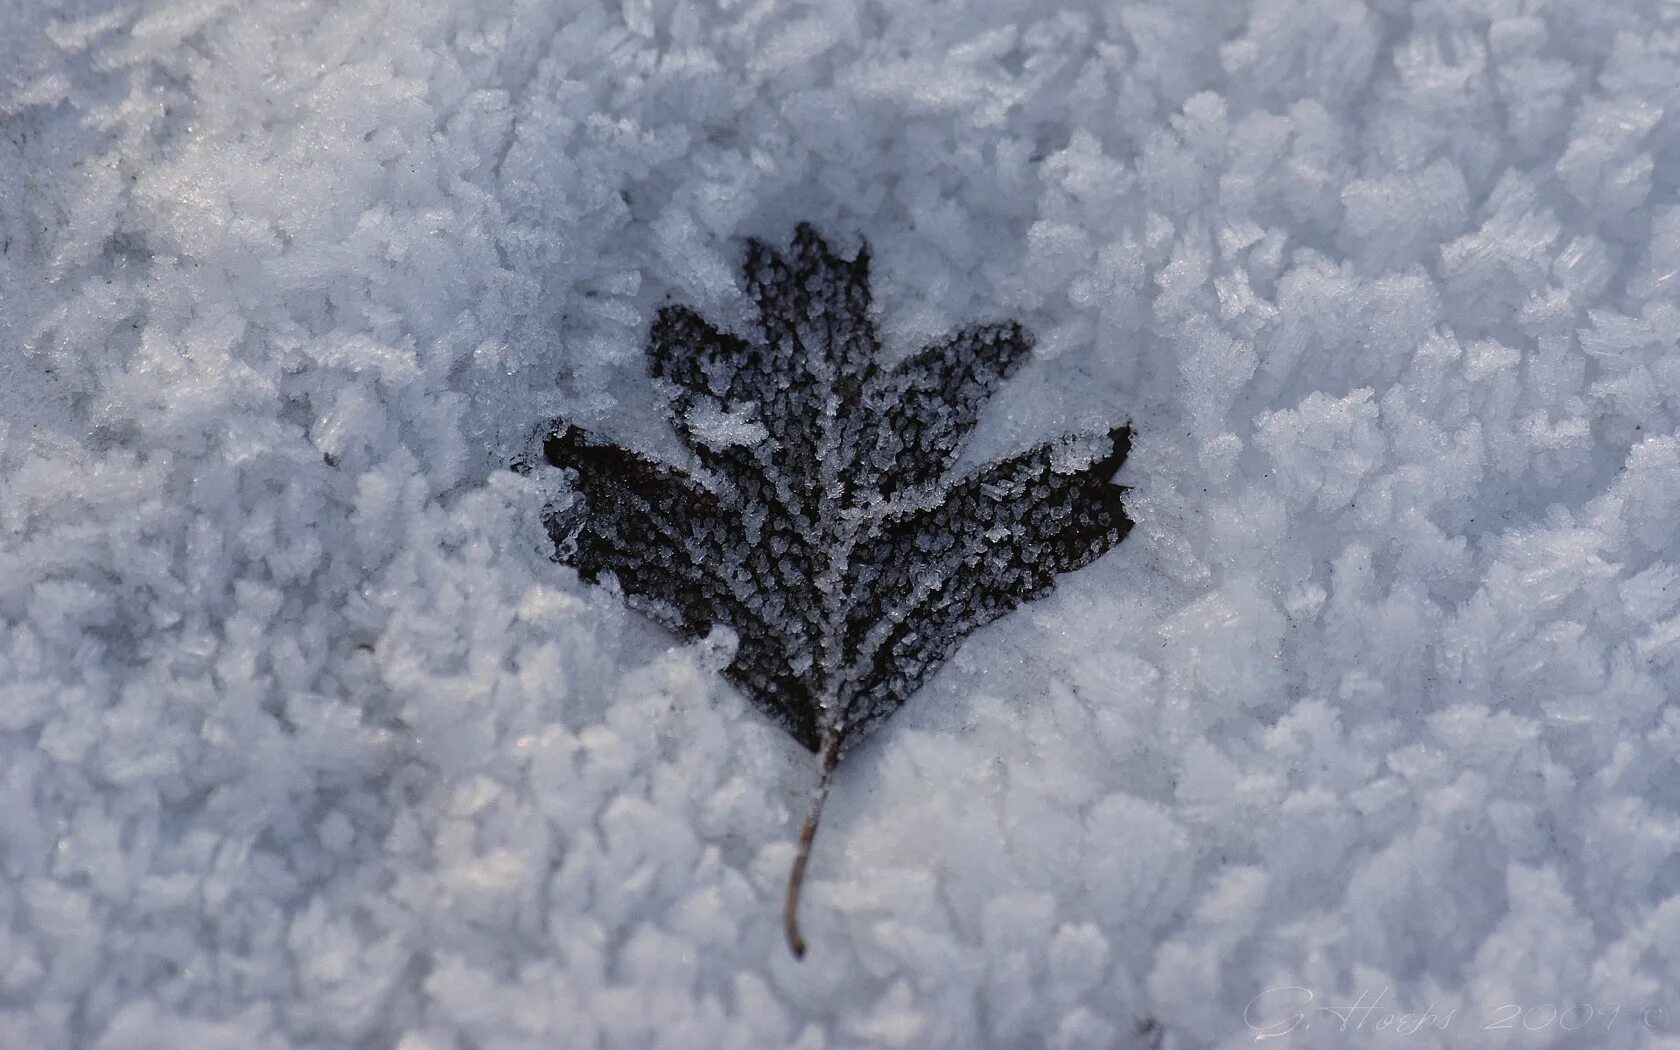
pixel 305 742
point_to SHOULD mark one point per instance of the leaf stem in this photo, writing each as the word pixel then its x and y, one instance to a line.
pixel 829 758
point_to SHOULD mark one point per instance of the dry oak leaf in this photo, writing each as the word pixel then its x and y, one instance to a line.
pixel 820 518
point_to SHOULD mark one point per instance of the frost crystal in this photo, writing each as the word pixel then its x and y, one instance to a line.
pixel 825 526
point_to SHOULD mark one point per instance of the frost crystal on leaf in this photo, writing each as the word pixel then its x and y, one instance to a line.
pixel 823 523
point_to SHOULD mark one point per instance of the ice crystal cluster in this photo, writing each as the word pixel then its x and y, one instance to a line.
pixel 307 743
pixel 827 528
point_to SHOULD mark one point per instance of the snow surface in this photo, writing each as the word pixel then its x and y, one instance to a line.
pixel 304 742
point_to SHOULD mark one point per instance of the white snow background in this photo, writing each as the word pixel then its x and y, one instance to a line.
pixel 305 742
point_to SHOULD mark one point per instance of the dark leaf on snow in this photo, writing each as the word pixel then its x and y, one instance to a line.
pixel 823 522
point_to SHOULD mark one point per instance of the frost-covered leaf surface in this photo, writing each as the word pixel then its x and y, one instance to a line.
pixel 306 742
pixel 827 530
